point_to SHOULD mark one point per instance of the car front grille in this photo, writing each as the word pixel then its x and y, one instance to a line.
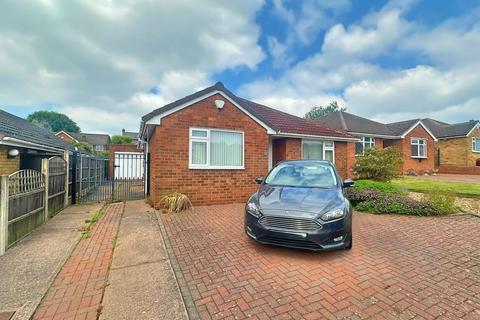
pixel 289 223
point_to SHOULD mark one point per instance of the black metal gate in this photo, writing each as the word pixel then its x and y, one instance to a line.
pixel 95 179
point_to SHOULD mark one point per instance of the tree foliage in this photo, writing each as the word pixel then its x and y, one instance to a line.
pixel 121 139
pixel 320 111
pixel 54 121
pixel 379 164
pixel 83 146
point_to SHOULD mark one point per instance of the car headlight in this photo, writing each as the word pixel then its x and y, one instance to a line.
pixel 333 214
pixel 252 208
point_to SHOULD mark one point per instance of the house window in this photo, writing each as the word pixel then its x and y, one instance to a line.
pixel 318 150
pixel 216 149
pixel 364 144
pixel 99 148
pixel 419 148
pixel 476 144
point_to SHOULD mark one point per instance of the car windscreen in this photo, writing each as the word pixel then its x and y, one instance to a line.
pixel 316 175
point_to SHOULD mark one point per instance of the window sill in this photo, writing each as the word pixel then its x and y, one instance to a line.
pixel 475 151
pixel 419 157
pixel 215 168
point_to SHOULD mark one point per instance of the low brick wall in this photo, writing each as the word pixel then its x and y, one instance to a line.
pixel 459 169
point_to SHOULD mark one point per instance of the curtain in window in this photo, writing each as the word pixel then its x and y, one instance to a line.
pixel 199 152
pixel 312 151
pixel 226 148
pixel 359 148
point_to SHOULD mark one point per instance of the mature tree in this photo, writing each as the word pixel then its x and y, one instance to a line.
pixel 121 139
pixel 317 112
pixel 54 121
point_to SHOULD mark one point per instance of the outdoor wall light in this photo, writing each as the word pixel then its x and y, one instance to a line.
pixel 12 153
pixel 219 104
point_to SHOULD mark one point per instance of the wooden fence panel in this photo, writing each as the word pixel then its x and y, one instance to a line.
pixel 26 207
pixel 57 173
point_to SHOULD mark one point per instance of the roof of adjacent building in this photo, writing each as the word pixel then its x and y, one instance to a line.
pixel 355 124
pixel 280 122
pixel 94 139
pixel 399 128
pixel 445 130
pixel 18 128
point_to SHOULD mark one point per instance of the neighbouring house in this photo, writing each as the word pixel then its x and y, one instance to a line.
pixel 212 145
pixel 131 134
pixel 458 145
pixel 411 137
pixel 23 145
pixel 98 141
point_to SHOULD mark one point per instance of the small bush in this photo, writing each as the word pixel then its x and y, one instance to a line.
pixel 442 198
pixel 397 204
pixel 379 164
pixel 176 202
pixel 121 139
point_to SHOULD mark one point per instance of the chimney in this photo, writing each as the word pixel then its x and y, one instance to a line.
pixel 123 132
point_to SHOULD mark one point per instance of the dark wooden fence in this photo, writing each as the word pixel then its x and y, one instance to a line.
pixel 57 175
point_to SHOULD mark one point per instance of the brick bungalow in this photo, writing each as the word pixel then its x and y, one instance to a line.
pixel 412 137
pixel 212 145
pixel 98 141
pixel 458 145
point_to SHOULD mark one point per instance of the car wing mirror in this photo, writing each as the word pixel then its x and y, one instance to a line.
pixel 259 180
pixel 348 183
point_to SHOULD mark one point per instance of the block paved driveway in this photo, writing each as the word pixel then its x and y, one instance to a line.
pixel 399 268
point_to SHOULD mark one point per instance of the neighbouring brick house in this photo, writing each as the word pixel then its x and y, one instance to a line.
pixel 212 145
pixel 98 141
pixel 458 144
pixel 411 137
pixel 31 142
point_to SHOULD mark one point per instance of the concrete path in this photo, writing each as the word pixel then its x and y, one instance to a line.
pixel 141 283
pixel 28 268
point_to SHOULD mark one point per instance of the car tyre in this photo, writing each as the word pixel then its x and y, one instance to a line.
pixel 349 244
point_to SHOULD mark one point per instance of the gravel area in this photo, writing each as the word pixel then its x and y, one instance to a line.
pixel 466 205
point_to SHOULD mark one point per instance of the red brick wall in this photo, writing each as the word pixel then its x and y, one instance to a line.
pixel 286 149
pixel 169 149
pixel 458 169
pixel 112 148
pixel 345 158
pixel 404 145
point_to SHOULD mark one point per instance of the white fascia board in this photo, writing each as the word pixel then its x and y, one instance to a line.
pixel 8 141
pixel 314 137
pixel 156 120
pixel 476 126
pixel 424 127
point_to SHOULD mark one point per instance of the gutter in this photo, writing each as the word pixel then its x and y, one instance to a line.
pixel 375 135
pixel 25 144
pixel 299 135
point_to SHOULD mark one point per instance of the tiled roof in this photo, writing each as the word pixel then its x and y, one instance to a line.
pixel 281 122
pixel 399 128
pixel 15 127
pixel 95 139
pixel 353 123
pixel 445 130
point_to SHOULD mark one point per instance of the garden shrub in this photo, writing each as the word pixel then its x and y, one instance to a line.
pixel 176 202
pixel 388 203
pixel 379 164
pixel 442 198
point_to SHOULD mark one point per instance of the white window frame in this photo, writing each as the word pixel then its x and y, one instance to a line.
pixel 324 148
pixel 418 147
pixel 363 142
pixel 476 144
pixel 207 140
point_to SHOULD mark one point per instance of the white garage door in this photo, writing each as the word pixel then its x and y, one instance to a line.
pixel 129 165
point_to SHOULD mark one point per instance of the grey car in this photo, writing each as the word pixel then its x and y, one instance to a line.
pixel 301 204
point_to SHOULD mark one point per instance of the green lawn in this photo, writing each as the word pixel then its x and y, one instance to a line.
pixel 467 189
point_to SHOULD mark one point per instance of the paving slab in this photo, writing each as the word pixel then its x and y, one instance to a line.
pixel 141 282
pixel 29 267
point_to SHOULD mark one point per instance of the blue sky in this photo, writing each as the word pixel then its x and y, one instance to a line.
pixel 106 63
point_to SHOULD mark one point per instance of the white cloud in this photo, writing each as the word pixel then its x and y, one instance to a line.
pixel 445 86
pixel 104 54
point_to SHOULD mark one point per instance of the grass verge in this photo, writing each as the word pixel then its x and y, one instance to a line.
pixel 87 227
pixel 464 189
